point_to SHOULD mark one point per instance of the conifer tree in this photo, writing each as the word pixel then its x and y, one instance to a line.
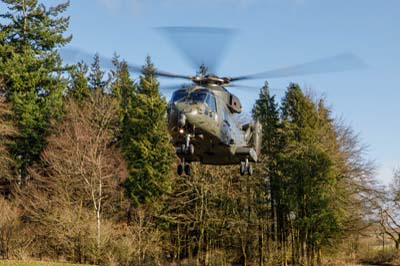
pixel 79 88
pixel 31 69
pixel 308 169
pixel 96 76
pixel 124 90
pixel 122 86
pixel 266 111
pixel 145 141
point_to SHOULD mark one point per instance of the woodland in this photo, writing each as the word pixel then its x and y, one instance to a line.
pixel 87 171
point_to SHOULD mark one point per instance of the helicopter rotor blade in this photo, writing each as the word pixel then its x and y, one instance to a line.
pixel 242 86
pixel 337 63
pixel 161 73
pixel 75 55
pixel 200 45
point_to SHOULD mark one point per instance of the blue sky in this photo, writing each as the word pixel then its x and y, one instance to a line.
pixel 273 33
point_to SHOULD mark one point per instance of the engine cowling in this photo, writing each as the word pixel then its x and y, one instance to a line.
pixel 234 104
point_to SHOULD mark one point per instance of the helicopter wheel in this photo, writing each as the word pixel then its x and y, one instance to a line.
pixel 179 169
pixel 250 169
pixel 242 168
pixel 187 169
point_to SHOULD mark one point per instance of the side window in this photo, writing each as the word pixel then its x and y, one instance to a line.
pixel 178 95
pixel 211 102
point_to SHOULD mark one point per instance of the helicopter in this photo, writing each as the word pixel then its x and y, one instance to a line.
pixel 203 128
pixel 202 117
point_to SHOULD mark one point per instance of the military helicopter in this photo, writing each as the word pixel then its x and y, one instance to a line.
pixel 202 115
pixel 203 127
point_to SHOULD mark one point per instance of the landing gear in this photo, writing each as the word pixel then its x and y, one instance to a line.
pixel 185 151
pixel 187 147
pixel 183 167
pixel 250 170
pixel 187 169
pixel 179 169
pixel 242 168
pixel 246 167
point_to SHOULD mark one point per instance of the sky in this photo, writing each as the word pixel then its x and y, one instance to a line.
pixel 271 34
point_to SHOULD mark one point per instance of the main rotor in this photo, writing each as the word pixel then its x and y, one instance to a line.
pixel 203 47
pixel 203 78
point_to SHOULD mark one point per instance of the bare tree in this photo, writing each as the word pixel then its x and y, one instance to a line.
pixel 80 172
pixel 389 213
pixel 7 130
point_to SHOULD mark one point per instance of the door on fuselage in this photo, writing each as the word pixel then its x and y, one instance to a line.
pixel 226 129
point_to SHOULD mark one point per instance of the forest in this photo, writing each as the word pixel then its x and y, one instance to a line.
pixel 87 170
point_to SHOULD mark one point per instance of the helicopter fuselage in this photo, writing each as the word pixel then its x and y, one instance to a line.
pixel 204 129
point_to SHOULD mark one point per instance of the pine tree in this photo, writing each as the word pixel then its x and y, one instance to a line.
pixel 32 71
pixel 267 112
pixel 123 89
pixel 122 86
pixel 311 180
pixel 145 141
pixel 96 75
pixel 79 88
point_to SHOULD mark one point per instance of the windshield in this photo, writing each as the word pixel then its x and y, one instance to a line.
pixel 178 95
pixel 197 97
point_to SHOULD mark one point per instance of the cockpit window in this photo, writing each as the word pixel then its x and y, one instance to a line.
pixel 178 95
pixel 197 96
pixel 211 102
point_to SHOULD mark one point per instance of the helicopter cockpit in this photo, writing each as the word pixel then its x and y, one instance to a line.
pixel 198 96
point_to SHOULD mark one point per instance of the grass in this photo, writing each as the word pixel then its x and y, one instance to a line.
pixel 35 263
pixel 389 256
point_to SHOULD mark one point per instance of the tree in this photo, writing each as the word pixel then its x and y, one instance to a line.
pixel 389 213
pixel 7 132
pixel 9 228
pixel 79 88
pixel 32 71
pixel 145 142
pixel 267 112
pixel 123 89
pixel 96 75
pixel 35 26
pixel 311 182
pixel 76 187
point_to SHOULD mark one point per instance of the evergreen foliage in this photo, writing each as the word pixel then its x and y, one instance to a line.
pixel 145 141
pixel 305 167
pixel 31 69
pixel 267 112
pixel 122 86
pixel 96 75
pixel 78 87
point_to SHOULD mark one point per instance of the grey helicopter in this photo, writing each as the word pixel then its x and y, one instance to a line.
pixel 202 116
